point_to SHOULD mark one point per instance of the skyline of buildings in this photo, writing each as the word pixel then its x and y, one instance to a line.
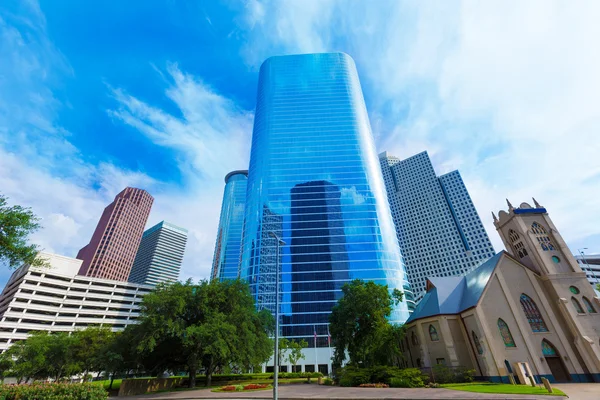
pixel 439 230
pixel 114 244
pixel 159 255
pixel 226 258
pixel 314 181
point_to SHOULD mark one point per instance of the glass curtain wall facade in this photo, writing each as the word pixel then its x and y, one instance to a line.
pixel 226 259
pixel 314 180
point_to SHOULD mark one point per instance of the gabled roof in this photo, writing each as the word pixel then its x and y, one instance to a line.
pixel 455 294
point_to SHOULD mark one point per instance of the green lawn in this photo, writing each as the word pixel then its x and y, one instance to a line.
pixel 483 387
pixel 116 384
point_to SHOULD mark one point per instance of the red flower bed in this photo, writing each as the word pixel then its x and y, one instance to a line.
pixel 374 385
pixel 255 386
pixel 230 388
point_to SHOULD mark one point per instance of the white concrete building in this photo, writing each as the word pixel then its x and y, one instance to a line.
pixel 438 228
pixel 590 264
pixel 56 299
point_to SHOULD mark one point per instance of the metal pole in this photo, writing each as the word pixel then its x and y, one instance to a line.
pixel 276 355
pixel 588 265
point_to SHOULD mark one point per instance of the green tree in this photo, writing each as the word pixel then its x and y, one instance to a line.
pixel 118 354
pixel 16 224
pixel 6 365
pixel 358 322
pixel 207 325
pixel 29 357
pixel 60 356
pixel 89 345
pixel 293 350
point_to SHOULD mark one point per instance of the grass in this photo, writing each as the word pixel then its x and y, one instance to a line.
pixel 481 387
pixel 116 384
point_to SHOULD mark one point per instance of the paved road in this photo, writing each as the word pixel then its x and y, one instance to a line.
pixel 296 392
pixel 580 391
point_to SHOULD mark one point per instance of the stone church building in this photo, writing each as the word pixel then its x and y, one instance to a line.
pixel 527 311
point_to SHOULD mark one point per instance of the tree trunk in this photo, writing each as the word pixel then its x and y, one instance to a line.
pixel 192 383
pixel 112 379
pixel 209 372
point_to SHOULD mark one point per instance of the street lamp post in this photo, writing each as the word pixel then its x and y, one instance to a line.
pixel 586 263
pixel 276 355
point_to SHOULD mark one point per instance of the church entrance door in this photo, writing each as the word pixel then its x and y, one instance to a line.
pixel 557 367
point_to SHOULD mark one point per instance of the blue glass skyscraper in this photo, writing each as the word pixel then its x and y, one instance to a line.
pixel 314 180
pixel 226 259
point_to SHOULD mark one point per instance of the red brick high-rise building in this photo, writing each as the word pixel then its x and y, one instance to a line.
pixel 111 252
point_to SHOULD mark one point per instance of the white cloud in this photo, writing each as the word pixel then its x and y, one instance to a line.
pixel 40 168
pixel 504 91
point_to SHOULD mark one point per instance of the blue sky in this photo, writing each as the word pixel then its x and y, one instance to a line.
pixel 95 96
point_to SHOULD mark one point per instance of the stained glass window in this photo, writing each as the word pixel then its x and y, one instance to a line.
pixel 574 290
pixel 534 317
pixel 548 349
pixel 578 307
pixel 506 335
pixel 589 305
pixel 477 342
pixel 542 237
pixel 433 335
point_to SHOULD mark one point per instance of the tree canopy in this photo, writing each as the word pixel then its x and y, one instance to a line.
pixel 208 325
pixel 359 325
pixel 16 224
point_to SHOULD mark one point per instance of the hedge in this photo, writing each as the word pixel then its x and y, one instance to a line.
pixel 352 376
pixel 53 391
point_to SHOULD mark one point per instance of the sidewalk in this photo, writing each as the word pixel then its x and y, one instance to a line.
pixel 305 392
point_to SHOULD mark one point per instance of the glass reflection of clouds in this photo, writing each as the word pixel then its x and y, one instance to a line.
pixel 315 180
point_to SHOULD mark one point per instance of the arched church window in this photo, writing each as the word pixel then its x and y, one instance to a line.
pixel 505 333
pixel 547 349
pixel 433 335
pixel 542 237
pixel 414 340
pixel 577 306
pixel 532 312
pixel 477 343
pixel 515 241
pixel 588 305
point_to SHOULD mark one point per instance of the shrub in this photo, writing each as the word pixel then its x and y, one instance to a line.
pixel 352 376
pixel 328 382
pixel 443 374
pixel 374 385
pixel 408 378
pixel 384 374
pixel 463 374
pixel 228 388
pixel 50 391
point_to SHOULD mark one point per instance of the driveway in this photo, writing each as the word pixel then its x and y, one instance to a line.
pixel 580 391
pixel 297 392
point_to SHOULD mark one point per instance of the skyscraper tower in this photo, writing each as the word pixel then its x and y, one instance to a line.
pixel 314 181
pixel 160 254
pixel 111 252
pixel 226 259
pixel 438 228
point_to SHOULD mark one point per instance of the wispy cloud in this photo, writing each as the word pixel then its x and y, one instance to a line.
pixel 212 134
pixel 505 92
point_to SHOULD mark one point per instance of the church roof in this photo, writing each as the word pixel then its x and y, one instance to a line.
pixel 455 294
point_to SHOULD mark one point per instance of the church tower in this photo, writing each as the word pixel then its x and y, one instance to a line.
pixel 530 237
